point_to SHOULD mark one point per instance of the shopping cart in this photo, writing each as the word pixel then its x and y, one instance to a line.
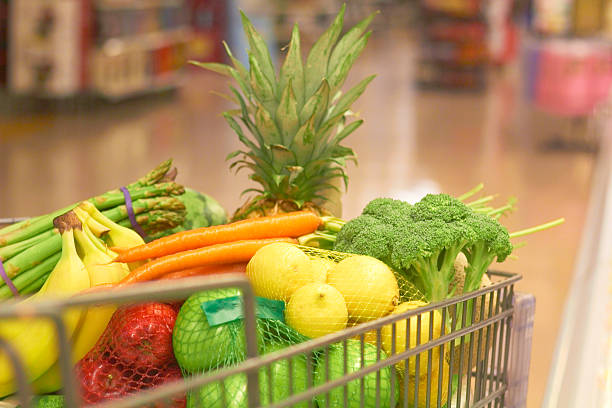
pixel 483 361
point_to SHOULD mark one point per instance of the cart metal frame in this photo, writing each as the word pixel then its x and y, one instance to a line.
pixel 485 383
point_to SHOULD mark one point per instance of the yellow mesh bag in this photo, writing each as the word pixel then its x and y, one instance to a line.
pixel 327 291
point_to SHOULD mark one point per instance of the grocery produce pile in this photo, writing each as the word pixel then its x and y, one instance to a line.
pixel 313 273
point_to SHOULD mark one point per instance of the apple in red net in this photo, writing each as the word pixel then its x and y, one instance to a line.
pixel 100 380
pixel 169 375
pixel 141 335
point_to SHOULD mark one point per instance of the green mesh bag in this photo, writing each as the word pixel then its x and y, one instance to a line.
pixel 331 366
pixel 209 334
pixel 274 385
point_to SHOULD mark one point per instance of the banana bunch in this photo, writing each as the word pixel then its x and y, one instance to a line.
pixel 85 262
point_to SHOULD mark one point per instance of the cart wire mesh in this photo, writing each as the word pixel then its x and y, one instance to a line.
pixel 465 366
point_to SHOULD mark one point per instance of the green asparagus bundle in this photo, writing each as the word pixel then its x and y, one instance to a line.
pixel 30 249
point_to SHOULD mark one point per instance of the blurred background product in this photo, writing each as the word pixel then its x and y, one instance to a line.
pixel 111 48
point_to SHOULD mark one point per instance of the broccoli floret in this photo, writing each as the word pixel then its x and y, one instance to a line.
pixel 423 241
pixel 365 235
pixel 388 210
pixel 440 206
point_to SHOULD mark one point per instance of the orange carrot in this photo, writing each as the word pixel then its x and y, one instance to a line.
pixel 226 253
pixel 293 225
pixel 207 270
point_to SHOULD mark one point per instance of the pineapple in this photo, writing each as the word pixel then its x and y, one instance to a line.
pixel 296 120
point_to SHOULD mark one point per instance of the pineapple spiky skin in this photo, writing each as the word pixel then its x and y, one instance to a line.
pixel 295 119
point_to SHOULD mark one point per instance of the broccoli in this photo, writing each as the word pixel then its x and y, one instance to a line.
pixel 422 241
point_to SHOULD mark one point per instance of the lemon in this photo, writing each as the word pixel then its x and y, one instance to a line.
pixel 278 269
pixel 433 388
pixel 316 309
pixel 400 337
pixel 368 286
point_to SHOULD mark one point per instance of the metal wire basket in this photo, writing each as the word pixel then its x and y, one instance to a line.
pixel 474 357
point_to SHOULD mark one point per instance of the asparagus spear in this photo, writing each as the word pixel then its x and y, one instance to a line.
pixel 153 177
pixel 11 250
pixel 32 275
pixel 146 204
pixel 107 200
pixel 33 255
pixel 153 222
pixel 36 285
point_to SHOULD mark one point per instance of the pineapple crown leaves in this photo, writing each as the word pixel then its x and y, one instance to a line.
pixel 297 119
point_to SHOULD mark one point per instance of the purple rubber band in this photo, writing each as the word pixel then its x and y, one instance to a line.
pixel 131 216
pixel 8 280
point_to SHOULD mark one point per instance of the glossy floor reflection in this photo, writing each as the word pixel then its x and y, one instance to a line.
pixel 412 142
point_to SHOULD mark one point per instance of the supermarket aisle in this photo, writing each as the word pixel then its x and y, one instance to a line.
pixel 411 142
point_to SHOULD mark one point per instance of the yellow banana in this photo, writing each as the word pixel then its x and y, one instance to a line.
pixel 102 270
pixel 99 263
pixel 120 236
pixel 34 339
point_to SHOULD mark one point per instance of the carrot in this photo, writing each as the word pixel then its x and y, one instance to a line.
pixel 207 270
pixel 225 253
pixel 293 225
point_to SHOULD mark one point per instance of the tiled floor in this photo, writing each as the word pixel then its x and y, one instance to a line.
pixel 411 142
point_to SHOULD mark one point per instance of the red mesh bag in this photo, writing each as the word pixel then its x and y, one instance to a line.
pixel 134 353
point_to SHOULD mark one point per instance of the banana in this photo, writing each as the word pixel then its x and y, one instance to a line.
pixel 99 263
pixel 34 339
pixel 101 270
pixel 119 236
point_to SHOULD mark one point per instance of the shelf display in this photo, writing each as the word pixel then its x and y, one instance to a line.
pixel 109 48
pixel 453 49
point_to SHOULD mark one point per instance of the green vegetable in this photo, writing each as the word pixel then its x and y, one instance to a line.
pixel 422 241
pixel 201 211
